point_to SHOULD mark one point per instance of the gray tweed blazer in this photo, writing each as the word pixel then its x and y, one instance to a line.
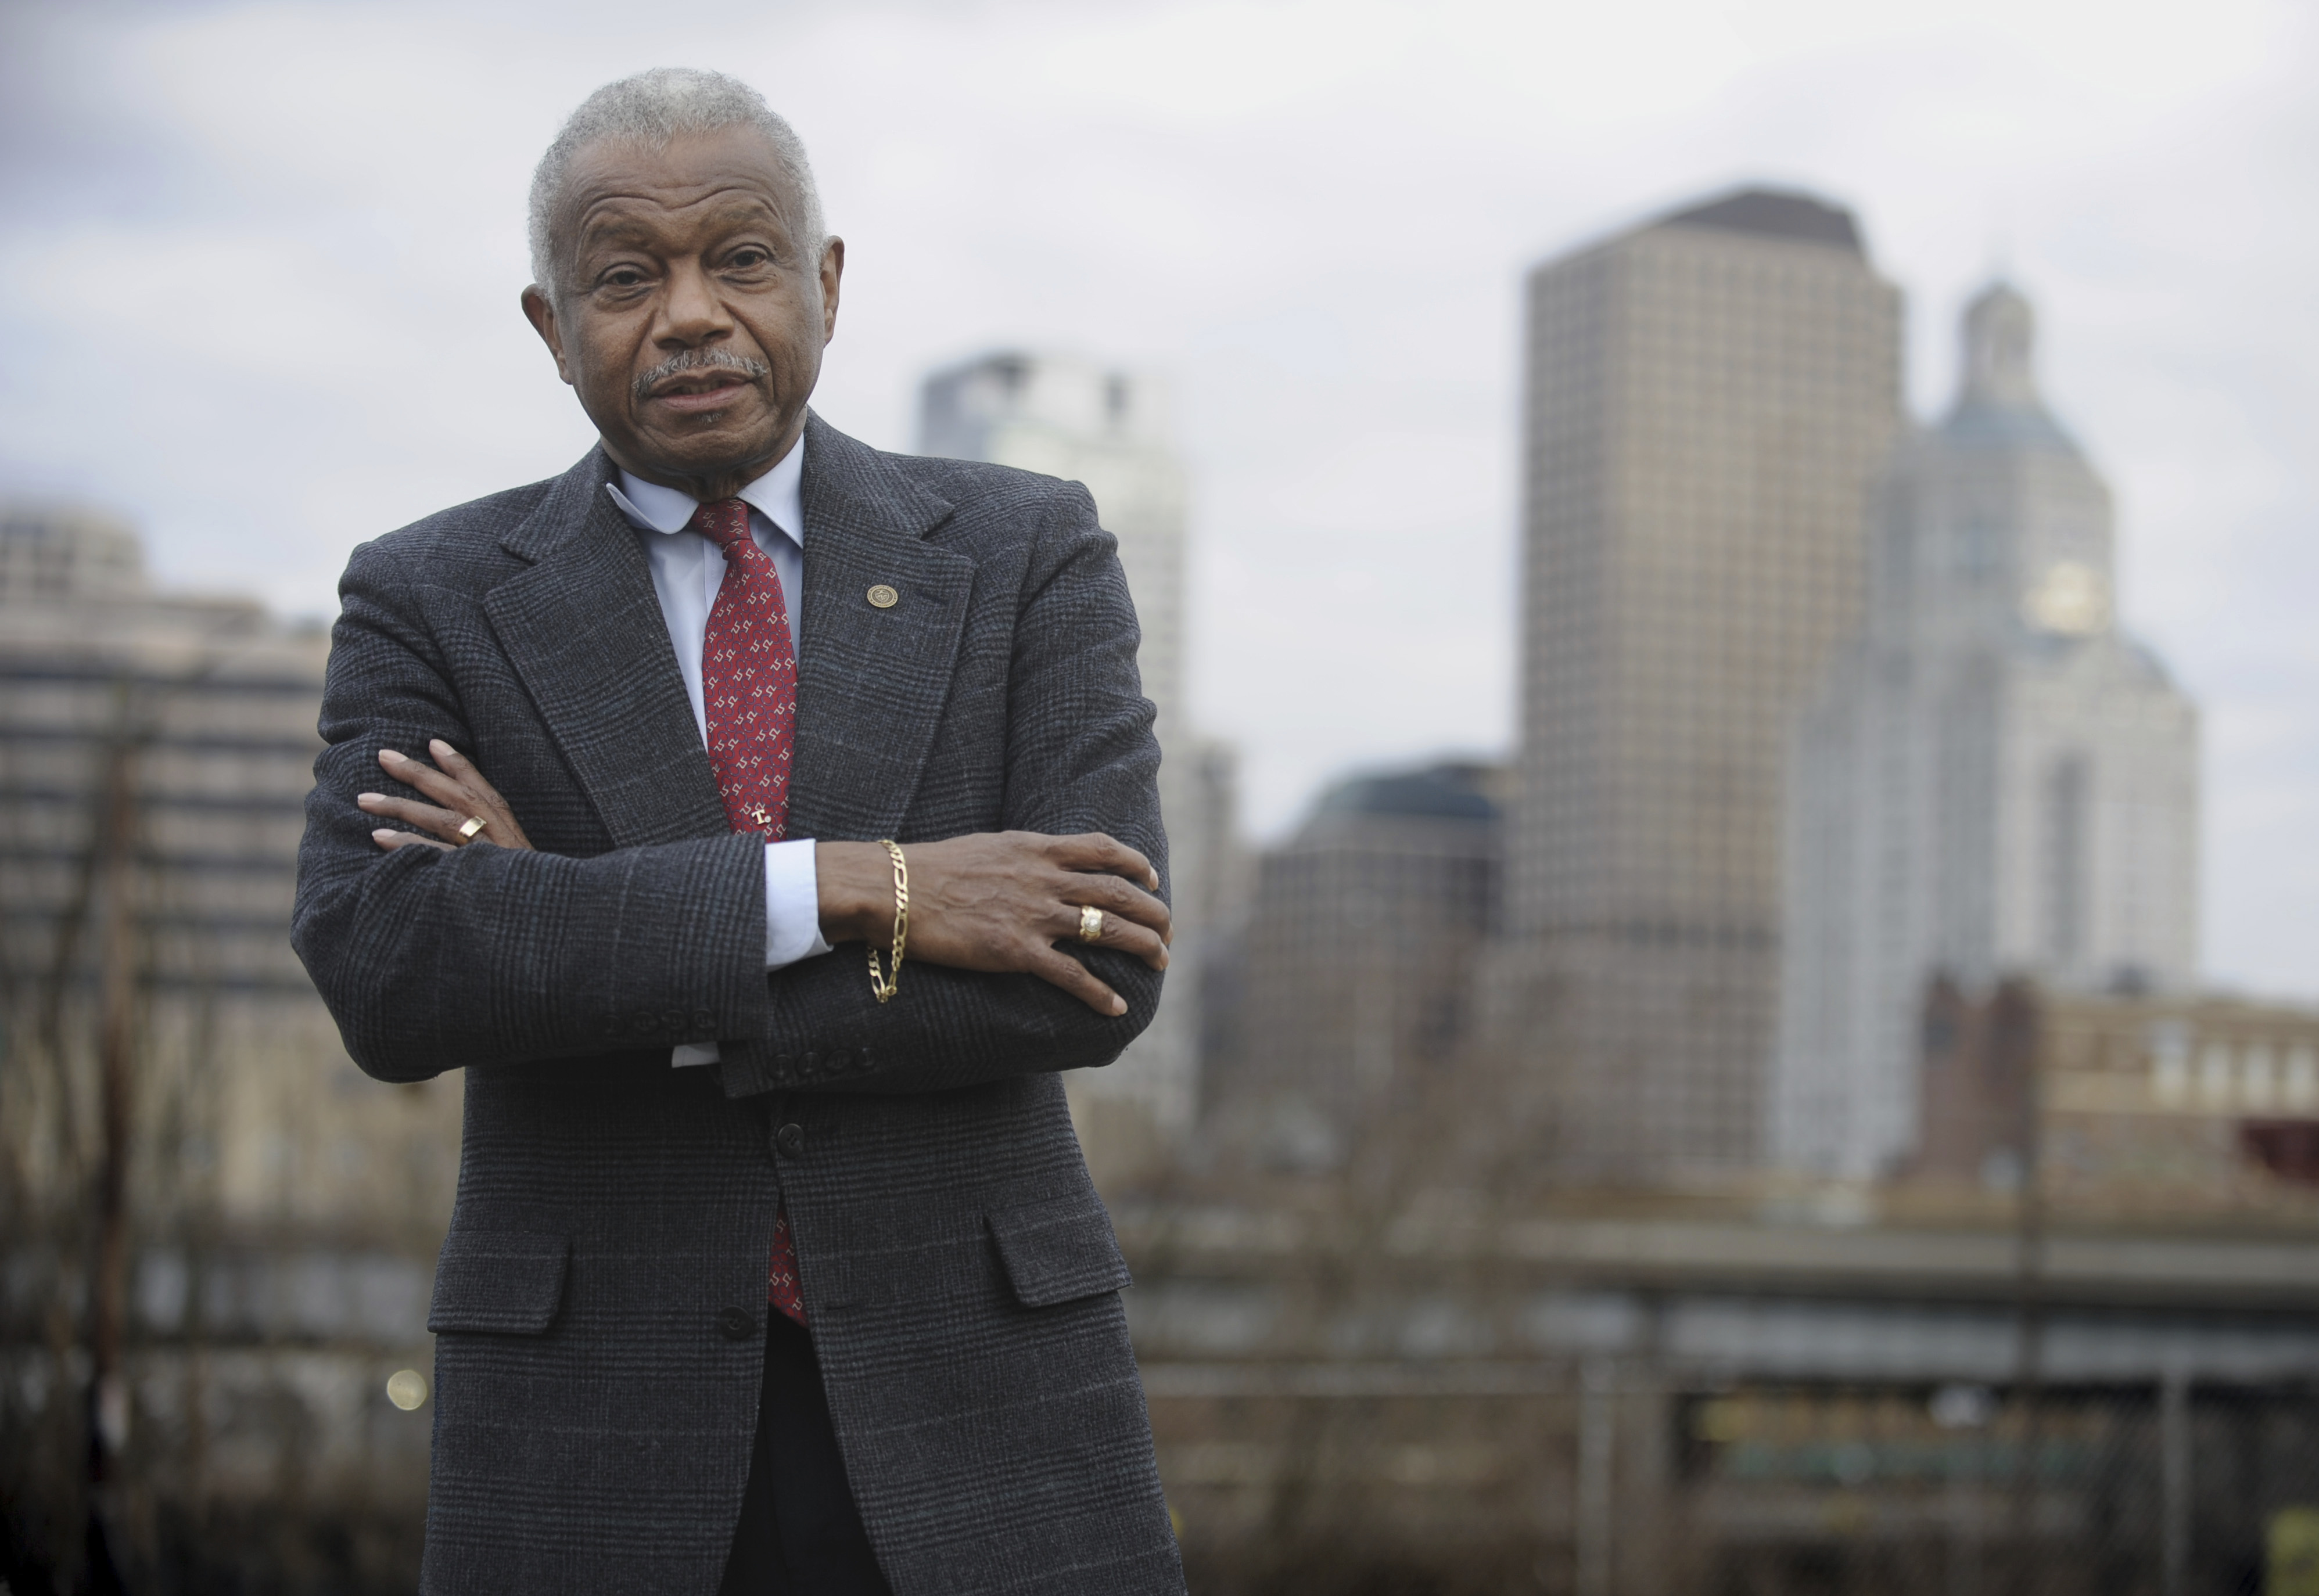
pixel 601 1299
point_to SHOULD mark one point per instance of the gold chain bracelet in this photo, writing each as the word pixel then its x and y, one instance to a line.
pixel 884 983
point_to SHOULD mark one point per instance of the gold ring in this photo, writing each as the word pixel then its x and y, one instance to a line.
pixel 468 833
pixel 1090 924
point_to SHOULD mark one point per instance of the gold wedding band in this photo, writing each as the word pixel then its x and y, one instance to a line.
pixel 468 833
pixel 1090 924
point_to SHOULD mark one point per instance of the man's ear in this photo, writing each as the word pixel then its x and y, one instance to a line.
pixel 542 317
pixel 833 268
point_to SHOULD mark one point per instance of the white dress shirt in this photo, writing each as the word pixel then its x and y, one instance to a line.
pixel 686 571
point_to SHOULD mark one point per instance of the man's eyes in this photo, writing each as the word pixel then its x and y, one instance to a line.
pixel 747 258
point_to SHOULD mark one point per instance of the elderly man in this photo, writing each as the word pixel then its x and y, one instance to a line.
pixel 774 1267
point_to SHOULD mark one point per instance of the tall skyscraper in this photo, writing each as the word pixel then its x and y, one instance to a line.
pixel 1708 398
pixel 1106 428
pixel 1994 780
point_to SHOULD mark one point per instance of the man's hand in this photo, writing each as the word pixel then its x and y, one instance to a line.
pixel 999 901
pixel 458 786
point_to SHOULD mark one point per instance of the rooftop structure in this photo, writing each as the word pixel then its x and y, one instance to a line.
pixel 1774 214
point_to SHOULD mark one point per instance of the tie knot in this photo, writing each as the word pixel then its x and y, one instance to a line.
pixel 725 522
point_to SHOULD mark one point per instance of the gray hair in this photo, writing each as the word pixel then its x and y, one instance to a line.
pixel 652 109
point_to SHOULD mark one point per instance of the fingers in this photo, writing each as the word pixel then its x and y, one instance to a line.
pixel 458 788
pixel 1121 933
pixel 470 781
pixel 1059 970
pixel 462 769
pixel 443 823
pixel 1093 851
pixel 1134 940
pixel 433 783
pixel 1118 899
pixel 391 840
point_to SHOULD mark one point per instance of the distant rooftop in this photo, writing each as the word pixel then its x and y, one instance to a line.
pixel 1773 214
pixel 961 406
pixel 1455 790
pixel 54 553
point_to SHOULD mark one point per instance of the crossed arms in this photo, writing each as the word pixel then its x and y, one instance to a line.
pixel 432 958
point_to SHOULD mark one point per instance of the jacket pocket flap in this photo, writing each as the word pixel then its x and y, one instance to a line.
pixel 1059 1250
pixel 510 1283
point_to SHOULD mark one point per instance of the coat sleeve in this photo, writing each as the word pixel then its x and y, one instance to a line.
pixel 433 961
pixel 1080 757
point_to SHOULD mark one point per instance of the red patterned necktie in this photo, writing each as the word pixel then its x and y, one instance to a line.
pixel 748 686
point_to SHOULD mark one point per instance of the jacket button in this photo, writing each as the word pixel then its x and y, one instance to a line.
pixel 736 1324
pixel 791 1140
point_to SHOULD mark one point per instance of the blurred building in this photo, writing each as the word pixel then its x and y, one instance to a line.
pixel 1107 430
pixel 1708 397
pixel 1355 970
pixel 266 1264
pixel 1993 778
pixel 2167 1105
pixel 156 751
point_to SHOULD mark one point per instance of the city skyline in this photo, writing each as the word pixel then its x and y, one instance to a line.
pixel 1347 408
pixel 1528 434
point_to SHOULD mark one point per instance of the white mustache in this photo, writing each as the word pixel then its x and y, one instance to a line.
pixel 690 360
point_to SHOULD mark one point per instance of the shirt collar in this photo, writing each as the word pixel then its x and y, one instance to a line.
pixel 778 496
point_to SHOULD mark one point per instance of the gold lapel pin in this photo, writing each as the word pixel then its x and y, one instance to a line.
pixel 882 597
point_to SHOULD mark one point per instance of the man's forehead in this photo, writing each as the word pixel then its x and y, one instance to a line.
pixel 732 174
pixel 626 213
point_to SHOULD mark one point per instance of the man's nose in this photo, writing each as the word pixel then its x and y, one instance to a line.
pixel 691 313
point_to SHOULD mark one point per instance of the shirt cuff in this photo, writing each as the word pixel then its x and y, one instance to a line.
pixel 792 925
pixel 792 903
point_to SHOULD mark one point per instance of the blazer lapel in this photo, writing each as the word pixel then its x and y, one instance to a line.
pixel 585 630
pixel 871 678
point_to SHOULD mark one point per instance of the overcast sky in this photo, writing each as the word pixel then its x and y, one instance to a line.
pixel 264 261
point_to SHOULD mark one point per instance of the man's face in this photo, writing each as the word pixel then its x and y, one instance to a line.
pixel 691 322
